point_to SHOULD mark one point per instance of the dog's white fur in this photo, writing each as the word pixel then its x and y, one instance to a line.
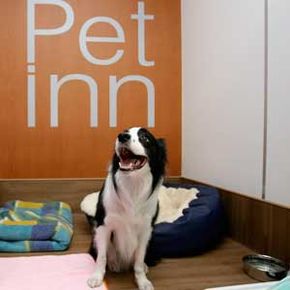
pixel 129 213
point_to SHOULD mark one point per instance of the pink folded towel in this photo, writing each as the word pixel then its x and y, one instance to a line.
pixel 62 272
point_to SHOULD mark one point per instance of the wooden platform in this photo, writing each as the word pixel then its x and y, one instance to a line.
pixel 219 267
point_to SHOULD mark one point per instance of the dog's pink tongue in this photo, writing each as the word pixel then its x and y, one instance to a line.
pixel 129 164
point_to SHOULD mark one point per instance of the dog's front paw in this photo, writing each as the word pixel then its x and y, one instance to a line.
pixel 146 269
pixel 95 280
pixel 145 284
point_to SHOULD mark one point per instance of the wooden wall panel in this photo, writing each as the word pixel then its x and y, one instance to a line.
pixel 71 191
pixel 74 149
pixel 260 225
pixel 256 223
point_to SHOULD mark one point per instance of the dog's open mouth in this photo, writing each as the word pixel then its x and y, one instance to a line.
pixel 129 161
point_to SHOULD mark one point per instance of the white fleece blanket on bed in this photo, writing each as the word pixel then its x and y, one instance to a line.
pixel 172 201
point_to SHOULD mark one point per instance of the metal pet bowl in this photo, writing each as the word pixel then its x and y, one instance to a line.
pixel 265 268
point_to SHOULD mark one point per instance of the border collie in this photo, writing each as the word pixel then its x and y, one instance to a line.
pixel 128 206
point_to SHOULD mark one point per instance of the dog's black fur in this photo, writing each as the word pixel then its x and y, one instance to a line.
pixel 157 158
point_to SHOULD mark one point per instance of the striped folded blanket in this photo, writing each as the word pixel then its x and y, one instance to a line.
pixel 31 227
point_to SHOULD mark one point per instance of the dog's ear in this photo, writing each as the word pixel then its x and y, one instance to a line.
pixel 162 150
pixel 115 163
pixel 161 143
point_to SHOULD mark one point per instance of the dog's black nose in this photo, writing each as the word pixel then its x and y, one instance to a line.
pixel 123 137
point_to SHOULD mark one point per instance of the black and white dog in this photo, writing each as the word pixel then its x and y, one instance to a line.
pixel 128 206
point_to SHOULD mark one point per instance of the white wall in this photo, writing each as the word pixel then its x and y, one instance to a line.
pixel 223 93
pixel 278 149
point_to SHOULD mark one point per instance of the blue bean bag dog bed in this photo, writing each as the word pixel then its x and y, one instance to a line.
pixel 199 229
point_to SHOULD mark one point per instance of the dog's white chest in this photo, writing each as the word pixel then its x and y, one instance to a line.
pixel 129 213
pixel 132 206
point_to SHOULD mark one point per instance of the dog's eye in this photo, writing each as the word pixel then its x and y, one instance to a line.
pixel 145 140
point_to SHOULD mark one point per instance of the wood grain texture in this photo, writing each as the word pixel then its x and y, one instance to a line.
pixel 66 190
pixel 260 225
